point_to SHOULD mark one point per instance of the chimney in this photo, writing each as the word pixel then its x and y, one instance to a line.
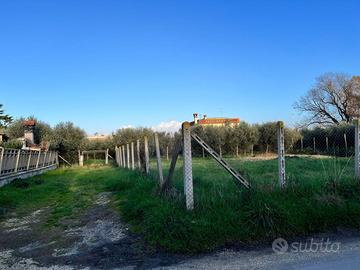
pixel 29 126
pixel 196 118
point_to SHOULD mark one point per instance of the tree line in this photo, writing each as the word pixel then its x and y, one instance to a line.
pixel 329 107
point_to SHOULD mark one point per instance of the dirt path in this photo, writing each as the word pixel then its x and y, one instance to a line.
pixel 99 240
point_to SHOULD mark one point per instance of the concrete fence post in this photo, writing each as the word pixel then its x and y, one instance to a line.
pixel 128 155
pixel 57 159
pixel 120 156
pixel 147 161
pixel 187 166
pixel 107 156
pixel 158 160
pixel 138 154
pixel 357 148
pixel 346 144
pixel 117 156
pixel 281 153
pixel 1 157
pixel 167 152
pixel 123 156
pixel 81 159
pixel 132 156
pixel 17 160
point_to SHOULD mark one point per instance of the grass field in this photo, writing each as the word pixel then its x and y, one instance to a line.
pixel 321 195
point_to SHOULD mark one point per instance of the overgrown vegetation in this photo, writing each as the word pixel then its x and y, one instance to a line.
pixel 321 195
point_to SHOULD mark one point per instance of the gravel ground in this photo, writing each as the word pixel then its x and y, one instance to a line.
pixel 99 240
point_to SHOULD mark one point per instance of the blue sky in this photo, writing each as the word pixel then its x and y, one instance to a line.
pixel 108 64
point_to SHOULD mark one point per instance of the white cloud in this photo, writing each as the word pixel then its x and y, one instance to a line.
pixel 170 126
pixel 126 126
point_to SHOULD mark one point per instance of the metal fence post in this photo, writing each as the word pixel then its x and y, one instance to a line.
pixel 147 162
pixel 187 167
pixel 357 148
pixel 38 159
pixel 138 154
pixel 281 153
pixel 44 162
pixel 1 157
pixel 132 156
pixel 158 160
pixel 17 160
pixel 28 162
pixel 128 155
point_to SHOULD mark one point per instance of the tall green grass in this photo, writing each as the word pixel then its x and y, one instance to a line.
pixel 223 214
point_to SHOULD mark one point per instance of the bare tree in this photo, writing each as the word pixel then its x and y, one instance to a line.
pixel 334 99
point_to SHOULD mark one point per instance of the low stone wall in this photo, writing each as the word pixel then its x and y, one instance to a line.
pixel 6 179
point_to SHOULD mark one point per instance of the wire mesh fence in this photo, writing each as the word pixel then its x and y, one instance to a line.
pixel 214 159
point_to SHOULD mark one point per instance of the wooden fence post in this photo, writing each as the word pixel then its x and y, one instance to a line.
pixel 187 167
pixel 1 157
pixel 147 161
pixel 281 153
pixel 107 156
pixel 158 160
pixel 138 154
pixel 167 153
pixel 357 148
